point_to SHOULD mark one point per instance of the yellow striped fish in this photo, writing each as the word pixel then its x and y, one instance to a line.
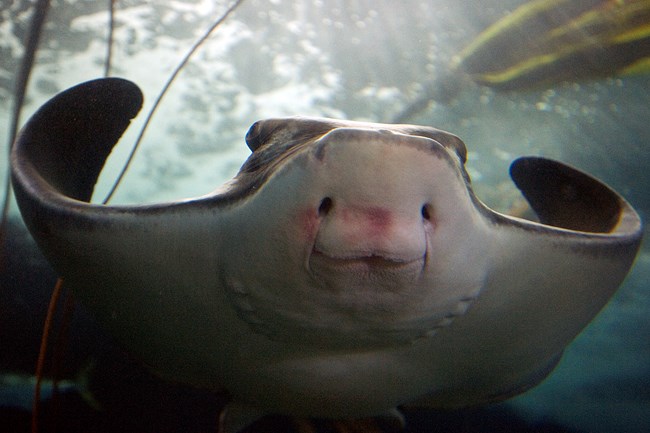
pixel 548 41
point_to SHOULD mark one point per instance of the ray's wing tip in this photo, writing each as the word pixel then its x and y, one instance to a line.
pixel 130 94
pixel 63 147
pixel 568 198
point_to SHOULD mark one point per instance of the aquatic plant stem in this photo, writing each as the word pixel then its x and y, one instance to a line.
pixel 39 16
pixel 162 93
pixel 109 39
pixel 40 364
pixel 31 44
pixel 59 351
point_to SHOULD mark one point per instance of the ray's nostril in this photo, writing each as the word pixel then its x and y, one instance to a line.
pixel 426 214
pixel 325 206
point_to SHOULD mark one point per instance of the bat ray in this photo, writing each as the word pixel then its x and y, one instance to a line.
pixel 348 268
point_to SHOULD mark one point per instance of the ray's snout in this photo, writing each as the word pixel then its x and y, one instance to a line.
pixel 376 204
pixel 373 231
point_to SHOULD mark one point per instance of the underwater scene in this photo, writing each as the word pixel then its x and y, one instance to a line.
pixel 567 80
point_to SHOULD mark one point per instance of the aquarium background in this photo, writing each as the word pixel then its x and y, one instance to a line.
pixel 362 60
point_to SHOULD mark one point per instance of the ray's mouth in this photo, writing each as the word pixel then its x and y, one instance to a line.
pixel 365 266
pixel 369 260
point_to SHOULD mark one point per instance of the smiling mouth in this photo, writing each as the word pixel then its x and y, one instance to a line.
pixel 367 266
pixel 372 260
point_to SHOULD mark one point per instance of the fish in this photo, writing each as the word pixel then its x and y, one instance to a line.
pixel 347 270
pixel 17 390
pixel 544 42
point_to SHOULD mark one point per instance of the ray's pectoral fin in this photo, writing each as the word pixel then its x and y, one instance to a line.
pixel 533 379
pixel 237 416
pixel 68 140
pixel 564 197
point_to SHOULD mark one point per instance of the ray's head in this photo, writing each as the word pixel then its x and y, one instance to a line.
pixel 367 212
pixel 375 192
